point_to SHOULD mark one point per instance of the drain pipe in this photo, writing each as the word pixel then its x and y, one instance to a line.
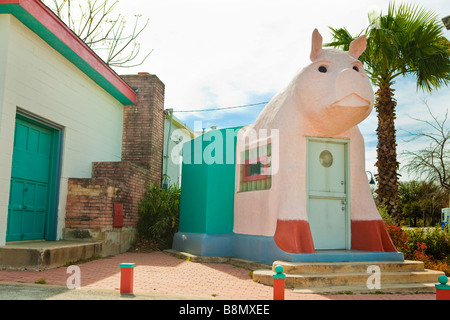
pixel 166 157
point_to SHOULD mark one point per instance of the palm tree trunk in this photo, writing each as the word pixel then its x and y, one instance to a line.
pixel 387 165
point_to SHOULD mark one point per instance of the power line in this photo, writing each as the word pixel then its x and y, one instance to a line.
pixel 224 108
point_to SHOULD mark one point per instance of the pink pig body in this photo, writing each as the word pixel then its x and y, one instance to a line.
pixel 326 104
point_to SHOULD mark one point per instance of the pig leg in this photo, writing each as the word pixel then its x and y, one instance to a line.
pixel 368 231
pixel 292 233
pixel 294 236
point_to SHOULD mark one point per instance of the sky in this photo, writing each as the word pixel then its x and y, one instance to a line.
pixel 226 53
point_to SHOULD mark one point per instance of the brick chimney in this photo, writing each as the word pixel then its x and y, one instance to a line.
pixel 143 132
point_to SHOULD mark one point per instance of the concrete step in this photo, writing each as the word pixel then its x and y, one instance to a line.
pixel 41 255
pixel 342 279
pixel 334 277
pixel 402 288
pixel 347 267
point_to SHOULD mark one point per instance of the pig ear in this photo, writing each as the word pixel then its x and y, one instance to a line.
pixel 357 47
pixel 316 49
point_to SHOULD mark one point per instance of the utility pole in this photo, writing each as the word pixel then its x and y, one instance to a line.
pixel 446 21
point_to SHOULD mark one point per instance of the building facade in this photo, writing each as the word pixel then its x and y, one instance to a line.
pixel 295 188
pixel 67 131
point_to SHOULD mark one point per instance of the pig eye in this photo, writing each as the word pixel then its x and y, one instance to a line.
pixel 322 69
pixel 356 68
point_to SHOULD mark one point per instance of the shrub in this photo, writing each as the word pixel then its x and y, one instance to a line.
pixel 159 216
pixel 399 237
pixel 431 246
pixel 437 241
pixel 385 215
pixel 438 265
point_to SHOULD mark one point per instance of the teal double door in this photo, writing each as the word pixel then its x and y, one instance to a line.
pixel 33 189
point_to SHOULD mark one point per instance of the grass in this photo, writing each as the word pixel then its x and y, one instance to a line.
pixel 346 292
pixel 41 281
pixel 378 292
pixel 96 257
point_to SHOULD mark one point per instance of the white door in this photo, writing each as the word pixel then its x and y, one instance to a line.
pixel 327 178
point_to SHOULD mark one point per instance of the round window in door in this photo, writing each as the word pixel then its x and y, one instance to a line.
pixel 326 158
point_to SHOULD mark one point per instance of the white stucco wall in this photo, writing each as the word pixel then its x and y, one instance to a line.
pixel 173 145
pixel 36 78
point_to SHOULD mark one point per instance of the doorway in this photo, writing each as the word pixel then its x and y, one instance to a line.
pixel 328 186
pixel 34 187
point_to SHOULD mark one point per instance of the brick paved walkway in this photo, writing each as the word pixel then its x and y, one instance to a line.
pixel 159 273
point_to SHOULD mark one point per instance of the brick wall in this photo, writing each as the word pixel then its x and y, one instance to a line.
pixel 90 201
pixel 131 181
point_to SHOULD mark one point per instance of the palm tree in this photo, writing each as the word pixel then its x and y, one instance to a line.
pixel 408 40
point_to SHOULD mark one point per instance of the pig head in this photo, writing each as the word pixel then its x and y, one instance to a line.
pixel 336 93
pixel 328 97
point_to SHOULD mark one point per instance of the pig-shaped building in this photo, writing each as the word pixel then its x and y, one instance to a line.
pixel 297 189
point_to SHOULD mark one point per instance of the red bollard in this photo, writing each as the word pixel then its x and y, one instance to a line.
pixel 126 278
pixel 278 283
pixel 442 289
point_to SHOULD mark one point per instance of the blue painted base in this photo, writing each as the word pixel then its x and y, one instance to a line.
pixel 263 249
pixel 205 245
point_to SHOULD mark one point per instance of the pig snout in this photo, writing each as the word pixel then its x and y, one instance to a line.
pixel 353 102
pixel 353 89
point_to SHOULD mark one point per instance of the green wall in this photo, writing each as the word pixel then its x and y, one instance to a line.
pixel 207 183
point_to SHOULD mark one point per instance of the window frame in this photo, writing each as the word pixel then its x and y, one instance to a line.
pixel 262 176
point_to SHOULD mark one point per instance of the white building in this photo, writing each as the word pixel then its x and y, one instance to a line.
pixel 175 134
pixel 61 109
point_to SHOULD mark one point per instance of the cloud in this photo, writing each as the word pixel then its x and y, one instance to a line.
pixel 233 47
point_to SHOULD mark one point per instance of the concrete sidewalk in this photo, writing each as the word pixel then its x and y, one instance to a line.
pixel 31 291
pixel 157 276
